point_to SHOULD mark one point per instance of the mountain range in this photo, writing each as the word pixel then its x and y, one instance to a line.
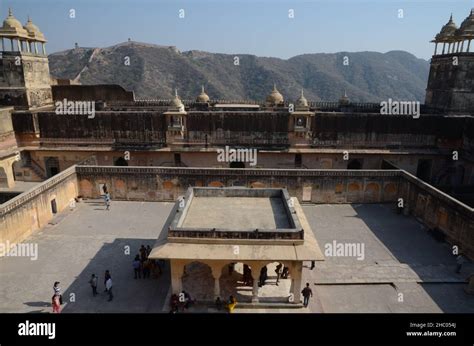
pixel 154 72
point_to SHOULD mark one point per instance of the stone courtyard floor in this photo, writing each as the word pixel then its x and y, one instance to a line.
pixel 404 269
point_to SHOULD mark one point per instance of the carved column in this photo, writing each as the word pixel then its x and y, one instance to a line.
pixel 255 276
pixel 216 273
pixel 296 273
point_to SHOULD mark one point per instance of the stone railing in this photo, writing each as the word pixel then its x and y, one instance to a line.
pixel 25 197
pixel 238 172
pixel 216 233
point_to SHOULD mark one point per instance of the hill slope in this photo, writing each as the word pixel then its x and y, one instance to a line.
pixel 155 71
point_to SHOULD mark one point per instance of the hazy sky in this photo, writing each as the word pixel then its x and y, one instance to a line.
pixel 260 27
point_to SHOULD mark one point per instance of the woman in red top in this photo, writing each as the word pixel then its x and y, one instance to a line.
pixel 56 304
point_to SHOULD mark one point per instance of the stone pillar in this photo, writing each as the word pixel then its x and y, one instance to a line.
pixel 255 277
pixel 216 273
pixel 296 273
pixel 468 46
pixel 36 48
pixel 177 268
pixel 444 46
pixel 44 48
pixel 436 47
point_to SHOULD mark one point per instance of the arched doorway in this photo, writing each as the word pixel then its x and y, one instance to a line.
pixel 121 162
pixel 236 280
pixel 237 164
pixel 3 177
pixel 198 281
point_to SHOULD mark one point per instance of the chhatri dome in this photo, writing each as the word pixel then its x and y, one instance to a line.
pixel 467 26
pixel 203 97
pixel 33 31
pixel 447 31
pixel 274 98
pixel 176 101
pixel 12 27
pixel 302 101
pixel 344 100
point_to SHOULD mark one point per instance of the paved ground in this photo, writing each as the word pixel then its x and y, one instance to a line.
pixel 400 257
pixel 85 241
pixel 404 269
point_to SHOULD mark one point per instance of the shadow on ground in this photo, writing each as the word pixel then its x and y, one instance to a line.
pixel 130 295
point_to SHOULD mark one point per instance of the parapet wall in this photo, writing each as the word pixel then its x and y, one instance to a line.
pixel 32 210
pixel 167 184
pixel 437 210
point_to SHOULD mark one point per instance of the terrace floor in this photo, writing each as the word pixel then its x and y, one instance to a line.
pixel 399 257
pixel 236 213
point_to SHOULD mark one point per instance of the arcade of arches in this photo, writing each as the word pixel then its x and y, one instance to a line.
pixel 206 280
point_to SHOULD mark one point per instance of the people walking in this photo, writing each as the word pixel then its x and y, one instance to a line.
pixel 263 276
pixel 278 271
pixel 307 293
pixel 106 277
pixel 143 254
pixel 107 201
pixel 459 262
pixel 108 286
pixel 137 267
pixel 56 304
pixel 57 289
pixel 93 282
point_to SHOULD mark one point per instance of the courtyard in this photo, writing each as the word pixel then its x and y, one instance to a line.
pixel 404 268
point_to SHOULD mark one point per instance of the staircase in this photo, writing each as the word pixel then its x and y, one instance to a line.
pixel 35 168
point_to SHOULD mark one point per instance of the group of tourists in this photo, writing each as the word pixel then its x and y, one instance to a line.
pixel 143 266
pixel 181 302
pixel 93 282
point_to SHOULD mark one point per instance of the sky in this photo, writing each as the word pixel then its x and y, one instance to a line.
pixel 259 27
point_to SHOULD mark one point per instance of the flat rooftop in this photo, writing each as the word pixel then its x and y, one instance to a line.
pixel 236 212
pixel 400 257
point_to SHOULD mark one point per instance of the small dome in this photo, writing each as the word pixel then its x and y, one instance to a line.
pixel 447 31
pixel 12 27
pixel 274 98
pixel 176 102
pixel 33 31
pixel 344 100
pixel 203 97
pixel 302 101
pixel 467 26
